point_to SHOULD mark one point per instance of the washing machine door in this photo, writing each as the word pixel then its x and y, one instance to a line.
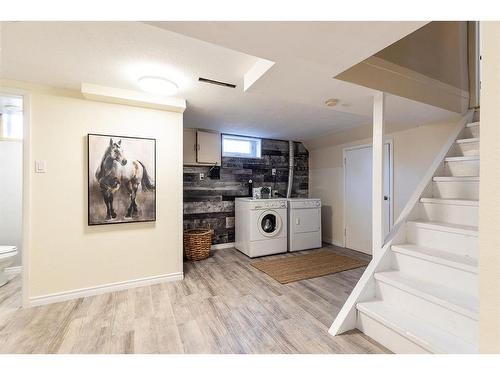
pixel 269 223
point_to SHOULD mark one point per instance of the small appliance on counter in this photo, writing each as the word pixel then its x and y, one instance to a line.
pixel 256 193
pixel 261 192
pixel 265 192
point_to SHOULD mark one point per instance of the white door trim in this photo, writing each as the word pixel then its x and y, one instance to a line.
pixel 388 141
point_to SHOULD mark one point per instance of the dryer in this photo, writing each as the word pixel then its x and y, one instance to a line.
pixel 260 226
pixel 304 223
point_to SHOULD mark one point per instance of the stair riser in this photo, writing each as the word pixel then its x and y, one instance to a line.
pixel 428 311
pixel 461 168
pixel 436 273
pixel 451 242
pixel 465 149
pixel 386 336
pixel 472 132
pixel 449 213
pixel 453 190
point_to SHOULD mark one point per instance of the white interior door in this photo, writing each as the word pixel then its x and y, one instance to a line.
pixel 358 197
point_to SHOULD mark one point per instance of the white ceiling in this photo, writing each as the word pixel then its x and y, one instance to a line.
pixel 286 102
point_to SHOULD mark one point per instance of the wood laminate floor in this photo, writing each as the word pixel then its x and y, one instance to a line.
pixel 223 305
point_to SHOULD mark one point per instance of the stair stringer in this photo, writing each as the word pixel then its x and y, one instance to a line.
pixel 381 261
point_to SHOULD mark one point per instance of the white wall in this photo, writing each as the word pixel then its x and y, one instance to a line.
pixel 11 170
pixel 414 151
pixel 489 209
pixel 65 254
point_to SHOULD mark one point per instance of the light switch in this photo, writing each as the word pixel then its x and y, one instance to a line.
pixel 202 176
pixel 40 166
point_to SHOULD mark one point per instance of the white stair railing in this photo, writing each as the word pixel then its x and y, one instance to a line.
pixel 365 288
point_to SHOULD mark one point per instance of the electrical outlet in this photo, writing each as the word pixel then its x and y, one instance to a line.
pixel 273 171
pixel 202 176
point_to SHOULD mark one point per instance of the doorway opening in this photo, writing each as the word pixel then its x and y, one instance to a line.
pixel 358 195
pixel 11 198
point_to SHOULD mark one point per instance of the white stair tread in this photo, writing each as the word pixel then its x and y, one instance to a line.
pixel 472 124
pixel 451 299
pixel 467 140
pixel 455 178
pixel 462 158
pixel 455 201
pixel 423 334
pixel 446 227
pixel 438 256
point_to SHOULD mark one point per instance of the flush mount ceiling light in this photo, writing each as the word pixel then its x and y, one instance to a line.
pixel 158 85
pixel 331 102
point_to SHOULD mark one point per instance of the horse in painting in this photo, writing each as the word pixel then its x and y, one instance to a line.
pixel 115 172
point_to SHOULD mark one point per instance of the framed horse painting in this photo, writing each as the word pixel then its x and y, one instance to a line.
pixel 121 179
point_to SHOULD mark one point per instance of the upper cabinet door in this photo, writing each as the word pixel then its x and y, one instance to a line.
pixel 209 147
pixel 190 146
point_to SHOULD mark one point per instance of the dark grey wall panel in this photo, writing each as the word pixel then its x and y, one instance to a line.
pixel 210 203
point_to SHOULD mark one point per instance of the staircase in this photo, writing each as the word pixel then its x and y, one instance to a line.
pixel 426 298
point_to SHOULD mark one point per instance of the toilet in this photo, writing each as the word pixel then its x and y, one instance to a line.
pixel 7 255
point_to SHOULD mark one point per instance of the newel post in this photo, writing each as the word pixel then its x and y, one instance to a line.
pixel 378 172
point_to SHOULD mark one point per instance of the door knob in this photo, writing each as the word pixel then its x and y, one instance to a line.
pixel 386 198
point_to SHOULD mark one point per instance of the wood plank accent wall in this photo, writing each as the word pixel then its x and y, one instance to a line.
pixel 211 202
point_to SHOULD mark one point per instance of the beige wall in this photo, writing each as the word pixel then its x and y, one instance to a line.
pixel 437 50
pixel 489 210
pixel 64 252
pixel 428 66
pixel 414 151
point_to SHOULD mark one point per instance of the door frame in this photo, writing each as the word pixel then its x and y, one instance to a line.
pixel 388 141
pixel 26 223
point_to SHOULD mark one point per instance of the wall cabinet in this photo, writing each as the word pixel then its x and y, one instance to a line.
pixel 209 147
pixel 202 147
pixel 189 146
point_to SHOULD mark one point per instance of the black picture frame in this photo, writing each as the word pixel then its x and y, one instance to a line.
pixel 91 221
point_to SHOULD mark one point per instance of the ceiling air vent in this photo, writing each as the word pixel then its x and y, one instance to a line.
pixel 218 83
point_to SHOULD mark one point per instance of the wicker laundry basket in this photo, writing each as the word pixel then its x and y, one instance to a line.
pixel 197 243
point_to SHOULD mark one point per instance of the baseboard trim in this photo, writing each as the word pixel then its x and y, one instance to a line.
pixel 221 246
pixel 333 242
pixel 14 270
pixel 105 288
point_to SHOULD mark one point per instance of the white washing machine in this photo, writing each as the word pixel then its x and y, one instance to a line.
pixel 304 223
pixel 260 226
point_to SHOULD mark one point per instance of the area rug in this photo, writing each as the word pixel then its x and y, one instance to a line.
pixel 300 267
